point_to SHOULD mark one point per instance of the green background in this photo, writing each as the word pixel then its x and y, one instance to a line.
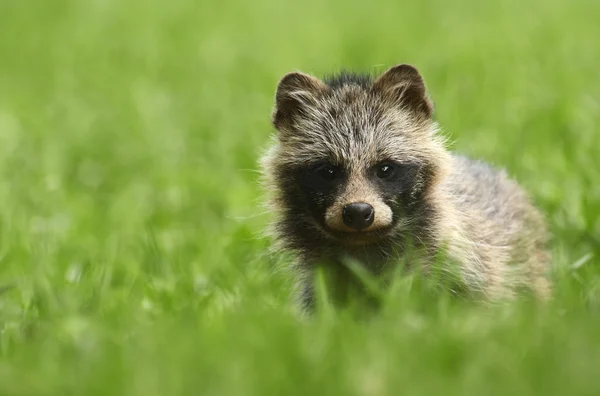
pixel 130 209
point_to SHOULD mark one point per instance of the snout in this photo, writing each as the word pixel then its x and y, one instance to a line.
pixel 358 215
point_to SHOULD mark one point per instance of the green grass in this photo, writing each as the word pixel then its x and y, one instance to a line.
pixel 130 209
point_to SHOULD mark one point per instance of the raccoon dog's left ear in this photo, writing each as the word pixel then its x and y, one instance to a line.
pixel 295 93
pixel 404 86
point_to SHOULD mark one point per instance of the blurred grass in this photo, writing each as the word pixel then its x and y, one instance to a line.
pixel 130 216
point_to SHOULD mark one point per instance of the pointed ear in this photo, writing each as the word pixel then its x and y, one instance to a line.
pixel 404 86
pixel 295 92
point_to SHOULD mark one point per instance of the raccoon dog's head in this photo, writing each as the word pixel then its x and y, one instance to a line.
pixel 355 158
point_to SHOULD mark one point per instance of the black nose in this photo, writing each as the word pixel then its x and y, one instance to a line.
pixel 358 215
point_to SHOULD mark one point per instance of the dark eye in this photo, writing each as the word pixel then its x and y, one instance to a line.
pixel 328 172
pixel 385 171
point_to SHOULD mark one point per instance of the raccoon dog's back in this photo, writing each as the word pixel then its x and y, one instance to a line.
pixel 509 234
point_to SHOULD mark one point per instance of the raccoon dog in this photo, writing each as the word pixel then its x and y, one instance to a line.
pixel 358 169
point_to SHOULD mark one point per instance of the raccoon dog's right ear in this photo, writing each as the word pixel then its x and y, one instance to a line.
pixel 295 92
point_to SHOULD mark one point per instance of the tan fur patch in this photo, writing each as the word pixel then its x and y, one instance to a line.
pixel 358 190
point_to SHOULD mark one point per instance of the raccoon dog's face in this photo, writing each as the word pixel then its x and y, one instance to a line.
pixel 355 158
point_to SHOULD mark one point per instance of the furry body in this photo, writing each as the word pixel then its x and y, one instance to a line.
pixel 352 139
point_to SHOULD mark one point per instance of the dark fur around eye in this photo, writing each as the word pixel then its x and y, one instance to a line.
pixel 327 171
pixel 394 172
pixel 312 188
pixel 386 170
pixel 397 182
